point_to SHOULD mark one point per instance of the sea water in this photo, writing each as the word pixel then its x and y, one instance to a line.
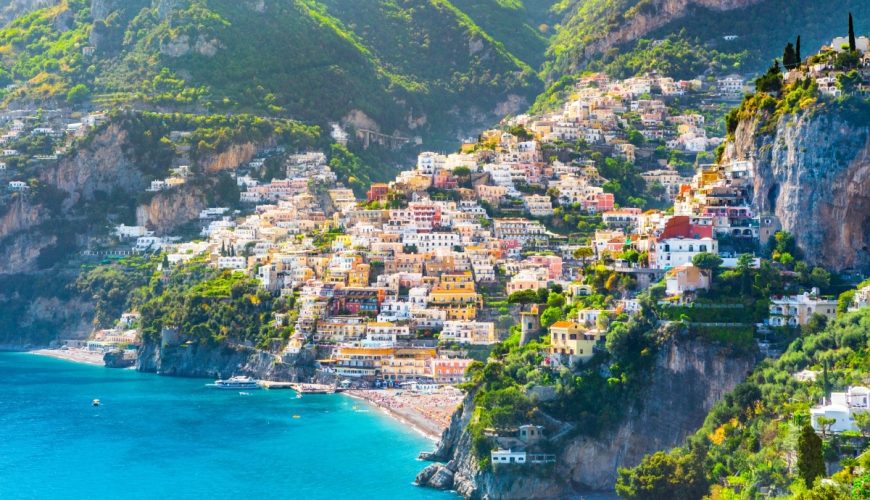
pixel 164 438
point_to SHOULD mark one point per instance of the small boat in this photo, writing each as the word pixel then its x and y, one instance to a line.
pixel 244 393
pixel 236 383
pixel 299 395
pixel 296 416
pixel 95 402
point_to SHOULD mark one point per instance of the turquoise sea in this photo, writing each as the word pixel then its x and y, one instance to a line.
pixel 165 438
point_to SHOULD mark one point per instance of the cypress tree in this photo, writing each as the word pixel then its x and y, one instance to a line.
pixel 852 46
pixel 797 50
pixel 165 265
pixel 810 463
pixel 788 57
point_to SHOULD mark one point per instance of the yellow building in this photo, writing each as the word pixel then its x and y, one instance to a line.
pixel 340 329
pixel 360 362
pixel 573 340
pixel 359 275
pixel 455 289
pixel 461 313
pixel 408 363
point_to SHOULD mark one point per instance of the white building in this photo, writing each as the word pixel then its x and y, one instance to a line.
pixel 731 84
pixel 469 332
pixel 124 232
pixel 428 163
pixel 674 252
pixel 18 186
pixel 501 456
pixel 843 405
pixel 797 310
pixel 236 263
pixel 538 205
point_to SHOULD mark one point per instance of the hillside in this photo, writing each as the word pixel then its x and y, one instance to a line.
pixel 72 200
pixel 749 444
pixel 418 67
pixel 684 38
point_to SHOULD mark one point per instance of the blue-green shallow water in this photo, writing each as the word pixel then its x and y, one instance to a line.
pixel 163 437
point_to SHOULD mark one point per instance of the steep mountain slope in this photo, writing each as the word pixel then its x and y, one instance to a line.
pixel 10 9
pixel 101 183
pixel 412 67
pixel 812 170
pixel 616 35
pixel 687 377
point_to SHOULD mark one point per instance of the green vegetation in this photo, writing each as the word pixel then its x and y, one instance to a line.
pixel 595 34
pixel 677 56
pixel 757 436
pixel 385 59
pixel 592 396
pixel 110 286
pixel 210 307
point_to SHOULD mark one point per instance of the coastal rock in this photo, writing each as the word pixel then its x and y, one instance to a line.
pixel 689 377
pixel 438 476
pixel 221 361
pixel 424 475
pixel 116 359
pixel 812 171
pixel 442 479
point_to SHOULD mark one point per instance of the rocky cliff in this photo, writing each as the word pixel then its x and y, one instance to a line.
pixel 812 170
pixel 100 165
pixel 689 377
pixel 170 209
pixel 196 360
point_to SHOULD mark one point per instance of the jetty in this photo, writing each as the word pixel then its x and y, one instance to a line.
pixel 299 387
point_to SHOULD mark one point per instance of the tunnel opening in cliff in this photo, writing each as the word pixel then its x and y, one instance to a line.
pixel 772 196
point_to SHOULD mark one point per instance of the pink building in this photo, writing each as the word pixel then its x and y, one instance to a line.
pixel 553 264
pixel 599 202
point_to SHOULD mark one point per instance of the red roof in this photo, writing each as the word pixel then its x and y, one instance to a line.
pixel 680 226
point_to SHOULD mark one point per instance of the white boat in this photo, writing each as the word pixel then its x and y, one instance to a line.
pixel 236 383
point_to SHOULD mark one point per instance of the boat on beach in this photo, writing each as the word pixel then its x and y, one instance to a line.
pixel 238 382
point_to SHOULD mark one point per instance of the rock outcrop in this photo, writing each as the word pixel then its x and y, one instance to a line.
pixel 197 360
pixel 116 359
pixel 171 208
pixel 812 170
pixel 689 377
pixel 101 165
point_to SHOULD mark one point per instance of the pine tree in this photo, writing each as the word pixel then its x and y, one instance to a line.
pixel 788 57
pixel 797 50
pixel 852 46
pixel 810 463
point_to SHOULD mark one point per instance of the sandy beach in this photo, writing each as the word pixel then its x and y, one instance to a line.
pixel 75 355
pixel 429 414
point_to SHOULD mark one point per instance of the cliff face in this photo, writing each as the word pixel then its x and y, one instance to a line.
pixel 813 172
pixel 197 360
pixel 102 165
pixel 235 155
pixel 170 209
pixel 21 247
pixel 689 377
